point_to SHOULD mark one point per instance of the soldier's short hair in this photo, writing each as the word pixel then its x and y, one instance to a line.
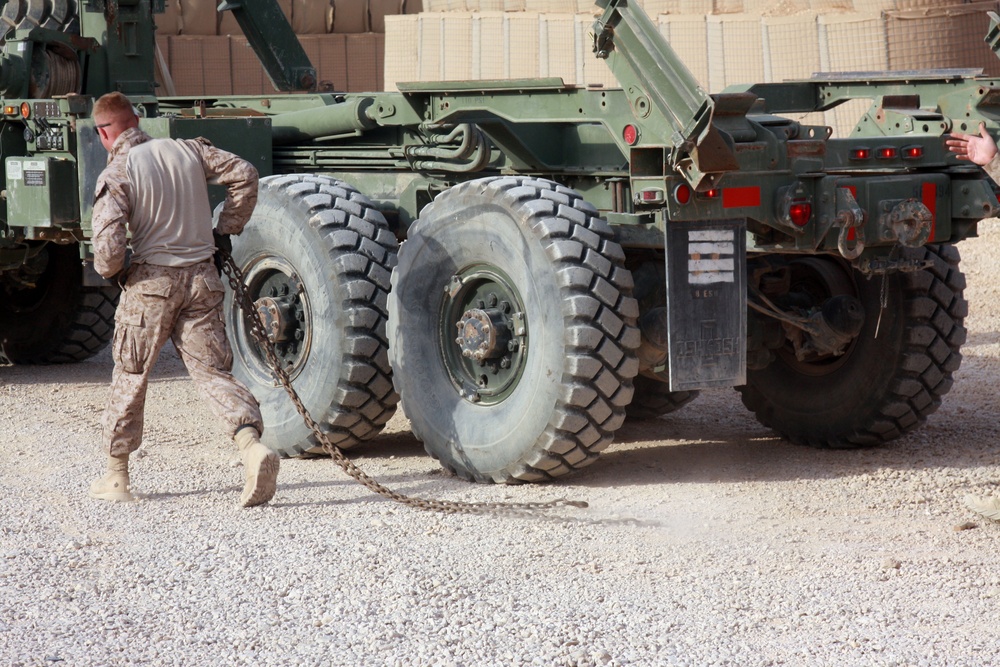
pixel 113 104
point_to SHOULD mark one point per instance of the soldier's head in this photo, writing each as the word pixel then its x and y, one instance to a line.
pixel 113 114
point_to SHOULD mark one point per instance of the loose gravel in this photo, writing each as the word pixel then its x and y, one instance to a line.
pixel 708 541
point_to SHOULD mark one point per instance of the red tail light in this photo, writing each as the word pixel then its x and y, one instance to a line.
pixel 886 153
pixel 913 152
pixel 799 213
pixel 861 153
pixel 682 193
pixel 630 134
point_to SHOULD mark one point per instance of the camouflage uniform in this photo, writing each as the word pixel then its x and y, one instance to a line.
pixel 172 290
pixel 992 168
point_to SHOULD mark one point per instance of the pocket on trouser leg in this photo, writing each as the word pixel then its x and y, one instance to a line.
pixel 208 343
pixel 212 346
pixel 131 347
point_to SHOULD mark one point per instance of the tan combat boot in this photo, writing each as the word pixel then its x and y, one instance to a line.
pixel 261 466
pixel 115 483
pixel 989 507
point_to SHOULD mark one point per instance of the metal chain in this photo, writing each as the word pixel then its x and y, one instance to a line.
pixel 256 328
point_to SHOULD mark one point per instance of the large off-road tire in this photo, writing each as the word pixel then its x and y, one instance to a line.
pixel 653 399
pixel 884 385
pixel 319 255
pixel 531 262
pixel 52 15
pixel 58 320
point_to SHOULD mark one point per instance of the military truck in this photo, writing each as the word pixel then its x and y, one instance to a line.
pixel 526 264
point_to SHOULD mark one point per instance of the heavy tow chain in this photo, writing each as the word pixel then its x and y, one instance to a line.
pixel 256 328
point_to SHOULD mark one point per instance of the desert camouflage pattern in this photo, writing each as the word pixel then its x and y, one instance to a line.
pixel 992 169
pixel 112 197
pixel 184 305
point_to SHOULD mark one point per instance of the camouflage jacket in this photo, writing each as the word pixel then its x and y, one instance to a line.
pixel 115 203
pixel 992 168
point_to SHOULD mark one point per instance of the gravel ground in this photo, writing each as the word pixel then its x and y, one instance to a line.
pixel 708 541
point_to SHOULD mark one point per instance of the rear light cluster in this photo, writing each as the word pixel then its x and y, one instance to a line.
pixel 862 154
pixel 797 209
pixel 683 194
pixel 12 110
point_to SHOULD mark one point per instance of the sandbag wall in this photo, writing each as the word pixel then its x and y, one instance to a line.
pixel 204 52
pixel 723 42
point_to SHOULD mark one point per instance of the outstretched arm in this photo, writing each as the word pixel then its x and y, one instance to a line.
pixel 979 149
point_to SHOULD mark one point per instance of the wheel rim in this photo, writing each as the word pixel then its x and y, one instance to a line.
pixel 818 280
pixel 484 334
pixel 282 303
pixel 27 290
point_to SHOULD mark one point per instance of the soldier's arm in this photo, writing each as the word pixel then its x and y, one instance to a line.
pixel 110 225
pixel 240 178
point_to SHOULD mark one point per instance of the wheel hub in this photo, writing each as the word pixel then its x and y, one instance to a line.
pixel 482 334
pixel 279 318
pixel 282 303
pixel 487 358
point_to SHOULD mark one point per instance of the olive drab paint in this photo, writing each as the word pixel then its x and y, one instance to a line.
pixel 823 236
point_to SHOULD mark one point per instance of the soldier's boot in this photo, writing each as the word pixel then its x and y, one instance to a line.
pixel 261 466
pixel 114 485
pixel 988 507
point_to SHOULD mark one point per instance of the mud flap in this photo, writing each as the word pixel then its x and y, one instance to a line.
pixel 706 304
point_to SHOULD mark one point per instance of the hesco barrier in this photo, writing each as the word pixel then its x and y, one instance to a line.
pixel 781 41
pixel 723 42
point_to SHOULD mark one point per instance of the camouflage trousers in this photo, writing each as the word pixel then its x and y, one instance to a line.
pixel 183 305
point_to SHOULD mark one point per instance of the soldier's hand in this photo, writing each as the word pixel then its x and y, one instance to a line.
pixel 223 244
pixel 976 148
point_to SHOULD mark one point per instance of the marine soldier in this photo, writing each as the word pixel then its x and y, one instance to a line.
pixel 157 190
pixel 979 149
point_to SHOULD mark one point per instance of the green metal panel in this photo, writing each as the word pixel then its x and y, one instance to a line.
pixel 41 192
pixel 125 59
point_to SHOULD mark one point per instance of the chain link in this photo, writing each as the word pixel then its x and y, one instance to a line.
pixel 256 329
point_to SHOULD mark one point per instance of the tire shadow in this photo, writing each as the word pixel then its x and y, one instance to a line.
pixel 96 370
pixel 733 447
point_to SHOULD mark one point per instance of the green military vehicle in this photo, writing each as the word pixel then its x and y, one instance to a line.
pixel 526 264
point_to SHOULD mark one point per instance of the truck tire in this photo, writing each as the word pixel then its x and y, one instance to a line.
pixel 532 260
pixel 653 399
pixel 884 386
pixel 27 14
pixel 320 256
pixel 58 320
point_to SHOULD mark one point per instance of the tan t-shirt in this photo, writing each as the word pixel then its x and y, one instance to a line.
pixel 171 221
